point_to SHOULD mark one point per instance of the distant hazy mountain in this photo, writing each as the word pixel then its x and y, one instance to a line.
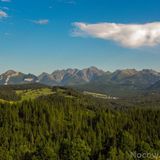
pixel 91 79
pixel 122 82
pixel 155 87
pixel 13 77
pixel 47 79
pixel 71 76
pixel 142 78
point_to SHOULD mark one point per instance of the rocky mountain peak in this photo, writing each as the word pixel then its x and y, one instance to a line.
pixel 10 72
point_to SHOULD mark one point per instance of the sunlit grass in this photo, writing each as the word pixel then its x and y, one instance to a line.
pixel 32 94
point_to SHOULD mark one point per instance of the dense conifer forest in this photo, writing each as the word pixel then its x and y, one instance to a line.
pixel 73 126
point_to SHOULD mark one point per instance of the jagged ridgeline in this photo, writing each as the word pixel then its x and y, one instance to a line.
pixel 121 83
pixel 58 123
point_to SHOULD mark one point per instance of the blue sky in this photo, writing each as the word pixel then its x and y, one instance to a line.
pixel 41 35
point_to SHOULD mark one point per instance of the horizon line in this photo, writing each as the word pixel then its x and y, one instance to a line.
pixel 79 69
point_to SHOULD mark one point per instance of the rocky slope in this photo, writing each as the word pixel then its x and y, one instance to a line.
pixel 91 79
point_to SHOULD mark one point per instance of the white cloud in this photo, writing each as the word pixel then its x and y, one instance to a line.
pixel 5 0
pixel 41 21
pixel 128 35
pixel 3 14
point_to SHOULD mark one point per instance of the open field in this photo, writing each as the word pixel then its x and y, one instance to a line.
pixel 32 94
pixel 99 95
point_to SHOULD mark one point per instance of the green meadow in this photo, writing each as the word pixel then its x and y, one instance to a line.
pixel 33 93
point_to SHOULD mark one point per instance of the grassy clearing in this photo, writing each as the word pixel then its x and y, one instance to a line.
pixel 98 95
pixel 32 94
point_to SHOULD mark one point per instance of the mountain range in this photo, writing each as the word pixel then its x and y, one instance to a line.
pixel 91 79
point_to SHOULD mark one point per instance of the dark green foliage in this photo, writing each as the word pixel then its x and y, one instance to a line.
pixel 75 149
pixel 8 94
pixel 22 86
pixel 56 127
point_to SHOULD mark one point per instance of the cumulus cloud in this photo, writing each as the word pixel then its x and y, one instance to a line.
pixel 41 21
pixel 3 14
pixel 128 35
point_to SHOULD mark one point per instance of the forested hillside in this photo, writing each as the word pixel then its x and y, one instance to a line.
pixel 70 126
